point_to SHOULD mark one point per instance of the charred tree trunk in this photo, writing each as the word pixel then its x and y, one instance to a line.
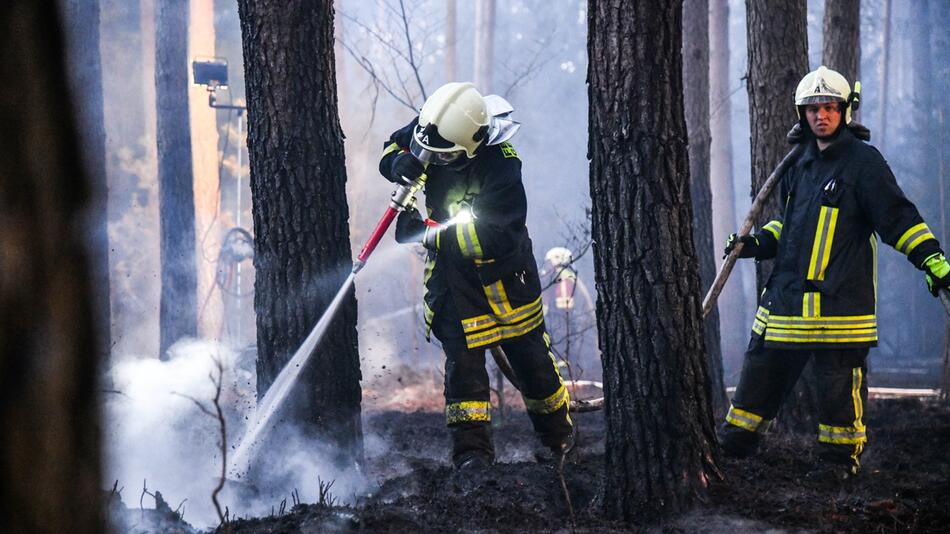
pixel 49 446
pixel 660 448
pixel 696 102
pixel 298 183
pixel 81 29
pixel 179 308
pixel 841 47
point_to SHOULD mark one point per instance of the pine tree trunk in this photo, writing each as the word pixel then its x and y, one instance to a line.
pixel 50 443
pixel 81 30
pixel 451 40
pixel 696 102
pixel 660 448
pixel 841 47
pixel 778 59
pixel 484 45
pixel 885 75
pixel 178 314
pixel 302 243
pixel 732 301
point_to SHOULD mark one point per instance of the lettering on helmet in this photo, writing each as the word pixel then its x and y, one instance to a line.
pixel 823 87
pixel 425 138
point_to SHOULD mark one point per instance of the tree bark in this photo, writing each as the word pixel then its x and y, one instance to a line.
pixel 298 184
pixel 49 446
pixel 660 448
pixel 696 102
pixel 178 314
pixel 81 30
pixel 841 46
pixel 778 59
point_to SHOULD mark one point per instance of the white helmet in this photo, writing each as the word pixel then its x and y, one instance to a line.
pixel 453 121
pixel 825 85
pixel 559 257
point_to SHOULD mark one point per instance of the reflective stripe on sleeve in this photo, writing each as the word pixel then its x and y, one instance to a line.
pixel 469 244
pixel 391 148
pixel 774 228
pixel 914 236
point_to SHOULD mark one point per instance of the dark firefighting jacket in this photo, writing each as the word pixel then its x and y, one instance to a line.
pixel 823 287
pixel 484 268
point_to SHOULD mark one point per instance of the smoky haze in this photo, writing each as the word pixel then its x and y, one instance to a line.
pixel 539 64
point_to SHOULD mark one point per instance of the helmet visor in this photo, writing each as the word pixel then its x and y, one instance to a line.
pixel 819 99
pixel 432 157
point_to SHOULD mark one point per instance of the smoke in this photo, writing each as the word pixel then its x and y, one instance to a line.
pixel 157 434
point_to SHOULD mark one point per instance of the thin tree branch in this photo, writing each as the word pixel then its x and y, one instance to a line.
pixel 412 62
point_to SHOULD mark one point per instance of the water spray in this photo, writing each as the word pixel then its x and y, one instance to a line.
pixel 402 198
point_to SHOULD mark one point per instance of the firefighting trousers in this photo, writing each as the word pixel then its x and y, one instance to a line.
pixel 467 393
pixel 768 375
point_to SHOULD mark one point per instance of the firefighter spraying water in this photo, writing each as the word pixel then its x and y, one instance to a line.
pixel 497 129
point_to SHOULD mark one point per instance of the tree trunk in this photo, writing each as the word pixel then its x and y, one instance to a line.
pixel 778 59
pixel 696 102
pixel 484 45
pixel 841 47
pixel 178 314
pixel 81 30
pixel 885 74
pixel 660 448
pixel 451 40
pixel 49 446
pixel 298 183
pixel 732 301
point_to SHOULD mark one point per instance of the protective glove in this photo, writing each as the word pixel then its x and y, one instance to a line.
pixel 750 245
pixel 938 273
pixel 406 169
pixel 410 228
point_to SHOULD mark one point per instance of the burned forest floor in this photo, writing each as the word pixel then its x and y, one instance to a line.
pixel 904 487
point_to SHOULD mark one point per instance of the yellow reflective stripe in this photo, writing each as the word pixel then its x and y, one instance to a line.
pixel 758 327
pixel 856 379
pixel 841 435
pixel 550 404
pixel 391 148
pixel 469 245
pixel 820 336
pixel 914 236
pixel 498 299
pixel 499 333
pixel 828 322
pixel 774 228
pixel 821 248
pixel 747 420
pixel 477 323
pixel 762 314
pixel 466 411
pixel 811 305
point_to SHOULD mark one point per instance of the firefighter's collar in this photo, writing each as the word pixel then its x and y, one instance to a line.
pixel 843 139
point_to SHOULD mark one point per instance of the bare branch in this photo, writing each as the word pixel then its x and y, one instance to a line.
pixel 367 65
pixel 412 62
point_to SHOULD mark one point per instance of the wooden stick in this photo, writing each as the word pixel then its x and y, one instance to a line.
pixel 726 269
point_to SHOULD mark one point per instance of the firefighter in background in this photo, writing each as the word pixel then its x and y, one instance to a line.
pixel 481 282
pixel 820 298
pixel 559 263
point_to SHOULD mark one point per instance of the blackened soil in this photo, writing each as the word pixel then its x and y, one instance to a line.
pixel 905 485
